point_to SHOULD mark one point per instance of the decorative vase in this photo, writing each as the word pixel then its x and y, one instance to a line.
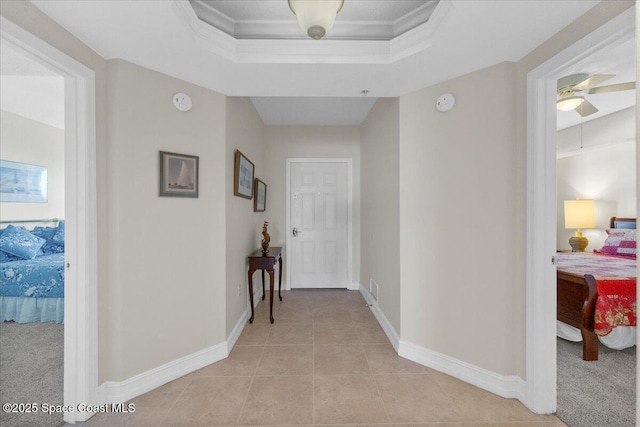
pixel 265 238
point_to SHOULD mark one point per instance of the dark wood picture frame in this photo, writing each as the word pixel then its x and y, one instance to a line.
pixel 243 173
pixel 179 175
pixel 260 196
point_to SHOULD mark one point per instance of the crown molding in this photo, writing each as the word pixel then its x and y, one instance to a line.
pixel 305 51
pixel 282 29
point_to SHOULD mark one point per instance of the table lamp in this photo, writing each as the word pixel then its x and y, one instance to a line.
pixel 579 214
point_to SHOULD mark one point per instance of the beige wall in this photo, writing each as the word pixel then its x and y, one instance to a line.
pixel 283 142
pixel 456 218
pixel 167 254
pixel 603 170
pixel 244 131
pixel 380 223
pixel 28 141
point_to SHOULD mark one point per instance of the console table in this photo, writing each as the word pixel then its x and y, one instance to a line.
pixel 261 261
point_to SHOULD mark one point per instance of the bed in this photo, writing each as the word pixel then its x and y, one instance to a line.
pixel 597 292
pixel 32 272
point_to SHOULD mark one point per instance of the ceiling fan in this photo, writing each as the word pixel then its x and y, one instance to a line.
pixel 572 90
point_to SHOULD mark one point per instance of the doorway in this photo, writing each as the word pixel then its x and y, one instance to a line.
pixel 80 302
pixel 541 394
pixel 319 236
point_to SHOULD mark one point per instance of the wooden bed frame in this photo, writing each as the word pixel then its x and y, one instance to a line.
pixel 577 297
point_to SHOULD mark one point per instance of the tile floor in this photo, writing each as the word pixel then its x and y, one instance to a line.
pixel 325 361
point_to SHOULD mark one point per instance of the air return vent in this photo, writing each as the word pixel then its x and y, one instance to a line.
pixel 373 289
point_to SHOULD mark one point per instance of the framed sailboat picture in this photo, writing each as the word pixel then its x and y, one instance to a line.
pixel 178 175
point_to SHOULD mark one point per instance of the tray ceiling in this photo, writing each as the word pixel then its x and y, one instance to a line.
pixel 461 36
pixel 272 19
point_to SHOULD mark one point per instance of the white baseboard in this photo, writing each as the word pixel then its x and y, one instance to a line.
pixel 354 286
pixel 122 391
pixel 391 333
pixel 237 330
pixel 504 386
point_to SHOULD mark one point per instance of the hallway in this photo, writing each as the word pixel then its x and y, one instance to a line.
pixel 325 361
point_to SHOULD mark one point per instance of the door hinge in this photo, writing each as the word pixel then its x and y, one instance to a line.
pixel 554 260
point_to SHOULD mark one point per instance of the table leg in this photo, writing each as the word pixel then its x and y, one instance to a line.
pixel 271 280
pixel 280 279
pixel 251 293
pixel 263 294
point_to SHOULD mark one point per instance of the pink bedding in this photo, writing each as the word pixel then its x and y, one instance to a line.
pixel 616 286
pixel 599 265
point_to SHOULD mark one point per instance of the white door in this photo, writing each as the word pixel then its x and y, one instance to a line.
pixel 319 225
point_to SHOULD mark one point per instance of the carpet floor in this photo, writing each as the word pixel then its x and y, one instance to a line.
pixel 596 394
pixel 31 370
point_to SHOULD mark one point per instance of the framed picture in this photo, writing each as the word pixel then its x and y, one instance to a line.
pixel 22 182
pixel 243 176
pixel 178 175
pixel 260 200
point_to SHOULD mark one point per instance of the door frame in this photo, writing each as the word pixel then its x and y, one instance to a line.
pixel 81 259
pixel 349 163
pixel 541 363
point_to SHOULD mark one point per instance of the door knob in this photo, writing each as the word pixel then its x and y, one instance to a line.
pixel 296 231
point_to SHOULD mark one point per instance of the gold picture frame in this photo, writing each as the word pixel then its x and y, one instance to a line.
pixel 260 197
pixel 243 176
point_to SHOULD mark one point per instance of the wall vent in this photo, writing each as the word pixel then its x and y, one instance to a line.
pixel 373 289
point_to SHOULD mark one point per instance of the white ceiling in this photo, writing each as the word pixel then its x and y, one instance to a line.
pixel 462 36
pixel 298 111
pixel 620 61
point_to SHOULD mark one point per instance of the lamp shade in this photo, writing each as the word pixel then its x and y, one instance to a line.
pixel 579 214
pixel 316 17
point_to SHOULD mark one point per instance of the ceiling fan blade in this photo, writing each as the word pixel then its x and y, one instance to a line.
pixel 593 81
pixel 613 88
pixel 586 109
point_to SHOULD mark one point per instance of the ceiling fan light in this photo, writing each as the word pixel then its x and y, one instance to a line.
pixel 570 103
pixel 316 17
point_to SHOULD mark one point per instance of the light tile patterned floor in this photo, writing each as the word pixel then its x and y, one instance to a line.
pixel 325 361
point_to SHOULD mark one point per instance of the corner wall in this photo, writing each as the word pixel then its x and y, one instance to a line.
pixel 244 132
pixel 166 293
pixel 457 192
pixel 380 233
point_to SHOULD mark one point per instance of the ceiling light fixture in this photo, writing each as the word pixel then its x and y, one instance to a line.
pixel 569 103
pixel 316 17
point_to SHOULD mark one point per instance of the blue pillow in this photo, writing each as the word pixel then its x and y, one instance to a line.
pixel 19 242
pixel 44 232
pixel 50 247
pixel 5 257
pixel 58 237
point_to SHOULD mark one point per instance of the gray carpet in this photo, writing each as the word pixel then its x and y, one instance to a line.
pixel 596 394
pixel 31 370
